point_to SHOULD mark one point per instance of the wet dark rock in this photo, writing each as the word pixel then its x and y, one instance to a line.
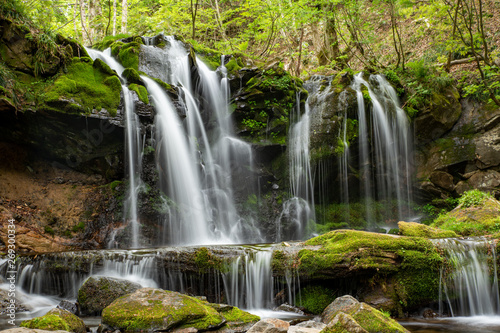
pixel 443 180
pixel 97 292
pixel 70 307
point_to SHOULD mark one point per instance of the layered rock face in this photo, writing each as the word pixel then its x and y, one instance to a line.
pixel 460 153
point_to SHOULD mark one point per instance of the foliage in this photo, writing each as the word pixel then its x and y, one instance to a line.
pixel 473 198
pixel 477 214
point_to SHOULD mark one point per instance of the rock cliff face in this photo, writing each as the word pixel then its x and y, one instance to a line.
pixel 462 153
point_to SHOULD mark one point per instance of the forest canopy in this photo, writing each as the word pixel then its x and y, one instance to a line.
pixel 422 39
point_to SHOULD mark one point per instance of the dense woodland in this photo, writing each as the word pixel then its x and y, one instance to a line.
pixel 417 42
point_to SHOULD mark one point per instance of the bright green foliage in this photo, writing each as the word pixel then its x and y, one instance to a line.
pixel 473 198
pixel 315 298
pixel 88 86
pixel 478 214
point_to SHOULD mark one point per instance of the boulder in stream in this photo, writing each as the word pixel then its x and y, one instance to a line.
pixel 56 319
pixel 97 292
pixel 346 314
pixel 149 309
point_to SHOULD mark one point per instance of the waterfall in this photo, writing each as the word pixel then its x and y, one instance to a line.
pixel 384 145
pixel 298 211
pixel 200 169
pixel 134 149
pixel 249 281
pixel 245 280
pixel 470 288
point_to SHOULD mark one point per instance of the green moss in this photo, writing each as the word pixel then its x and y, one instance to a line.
pixel 315 298
pixel 373 320
pixel 103 67
pixel 477 214
pixel 141 92
pixel 233 66
pixel 47 322
pixel 167 87
pixel 83 88
pixel 129 314
pixel 239 316
pixel 132 76
pixel 79 227
pixel 413 229
pixel 206 261
pixel 49 230
pixel 413 261
pixel 108 40
pixel 127 53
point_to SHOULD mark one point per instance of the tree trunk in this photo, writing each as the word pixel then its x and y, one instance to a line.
pixel 453 34
pixel 83 18
pixel 194 10
pixel 74 18
pixel 91 18
pixel 124 16
pixel 331 38
pixel 114 17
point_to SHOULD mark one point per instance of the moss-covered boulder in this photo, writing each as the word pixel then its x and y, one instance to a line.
pixel 346 314
pixel 236 319
pixel 56 319
pixel 30 330
pixel 149 309
pixel 97 292
pixel 84 88
pixel 127 53
pixel 343 323
pixel 414 229
pixel 404 270
pixel 477 214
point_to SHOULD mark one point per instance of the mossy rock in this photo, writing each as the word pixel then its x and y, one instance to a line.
pixel 103 67
pixel 235 317
pixel 97 292
pixel 348 313
pixel 263 107
pixel 315 298
pixel 56 319
pixel 127 53
pixel 132 76
pixel 141 91
pixel 149 309
pixel 414 229
pixel 410 264
pixel 84 88
pixel 360 250
pixel 478 219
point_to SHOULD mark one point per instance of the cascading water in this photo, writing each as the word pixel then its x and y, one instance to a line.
pixel 134 149
pixel 384 145
pixel 298 211
pixel 247 283
pixel 470 288
pixel 178 176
